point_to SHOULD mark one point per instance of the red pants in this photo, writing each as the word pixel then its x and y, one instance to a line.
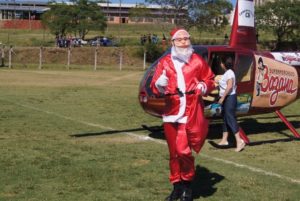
pixel 181 159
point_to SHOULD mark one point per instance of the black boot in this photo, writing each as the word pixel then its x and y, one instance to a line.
pixel 176 193
pixel 187 194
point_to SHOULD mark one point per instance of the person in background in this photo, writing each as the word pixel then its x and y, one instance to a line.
pixel 225 38
pixel 164 41
pixel 183 77
pixel 228 100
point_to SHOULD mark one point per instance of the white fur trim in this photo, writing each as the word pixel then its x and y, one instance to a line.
pixel 181 85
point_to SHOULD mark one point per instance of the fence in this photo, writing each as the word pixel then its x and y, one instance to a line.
pixel 73 58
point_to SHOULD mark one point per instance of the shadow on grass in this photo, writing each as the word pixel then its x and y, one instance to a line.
pixel 252 127
pixel 106 132
pixel 204 182
pixel 155 131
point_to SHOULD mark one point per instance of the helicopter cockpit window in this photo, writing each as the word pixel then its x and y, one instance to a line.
pixel 215 61
pixel 244 68
pixel 202 51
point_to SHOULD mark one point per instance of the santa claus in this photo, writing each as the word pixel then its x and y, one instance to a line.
pixel 183 77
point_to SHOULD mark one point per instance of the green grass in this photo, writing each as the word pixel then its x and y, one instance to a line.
pixel 41 112
pixel 124 34
pixel 24 38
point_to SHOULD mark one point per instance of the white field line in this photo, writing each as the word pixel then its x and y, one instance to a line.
pixel 253 169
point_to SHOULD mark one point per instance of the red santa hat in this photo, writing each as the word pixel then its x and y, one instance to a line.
pixel 174 33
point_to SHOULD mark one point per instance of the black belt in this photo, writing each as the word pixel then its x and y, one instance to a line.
pixel 180 93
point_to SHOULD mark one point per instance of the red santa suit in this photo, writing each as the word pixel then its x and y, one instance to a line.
pixel 184 123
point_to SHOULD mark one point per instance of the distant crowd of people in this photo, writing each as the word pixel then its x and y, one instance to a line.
pixel 65 42
pixel 69 41
pixel 151 39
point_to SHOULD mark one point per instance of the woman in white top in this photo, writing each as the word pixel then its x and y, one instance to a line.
pixel 228 100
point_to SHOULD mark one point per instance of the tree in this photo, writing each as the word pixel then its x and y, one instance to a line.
pixel 282 18
pixel 58 19
pixel 209 15
pixel 78 18
pixel 88 16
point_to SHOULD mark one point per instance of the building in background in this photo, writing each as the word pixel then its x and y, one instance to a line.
pixel 20 10
pixel 119 13
pixel 14 9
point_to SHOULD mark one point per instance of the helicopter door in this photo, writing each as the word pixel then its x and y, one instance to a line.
pixel 245 81
pixel 212 107
pixel 215 63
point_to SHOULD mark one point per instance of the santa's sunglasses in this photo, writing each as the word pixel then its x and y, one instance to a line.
pixel 181 39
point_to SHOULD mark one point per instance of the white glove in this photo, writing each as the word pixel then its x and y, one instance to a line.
pixel 201 88
pixel 162 81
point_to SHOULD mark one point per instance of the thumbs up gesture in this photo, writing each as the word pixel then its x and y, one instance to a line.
pixel 162 81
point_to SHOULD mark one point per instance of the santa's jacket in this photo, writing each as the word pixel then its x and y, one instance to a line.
pixel 183 103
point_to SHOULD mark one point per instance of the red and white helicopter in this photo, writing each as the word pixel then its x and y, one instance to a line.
pixel 266 81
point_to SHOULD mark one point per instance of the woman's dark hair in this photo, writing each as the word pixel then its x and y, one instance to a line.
pixel 228 62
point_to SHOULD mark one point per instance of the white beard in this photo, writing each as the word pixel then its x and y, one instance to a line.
pixel 182 54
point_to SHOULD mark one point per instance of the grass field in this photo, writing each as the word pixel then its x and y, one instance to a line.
pixel 122 34
pixel 77 136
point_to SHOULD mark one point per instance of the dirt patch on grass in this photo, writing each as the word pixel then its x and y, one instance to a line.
pixel 140 162
pixel 108 139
